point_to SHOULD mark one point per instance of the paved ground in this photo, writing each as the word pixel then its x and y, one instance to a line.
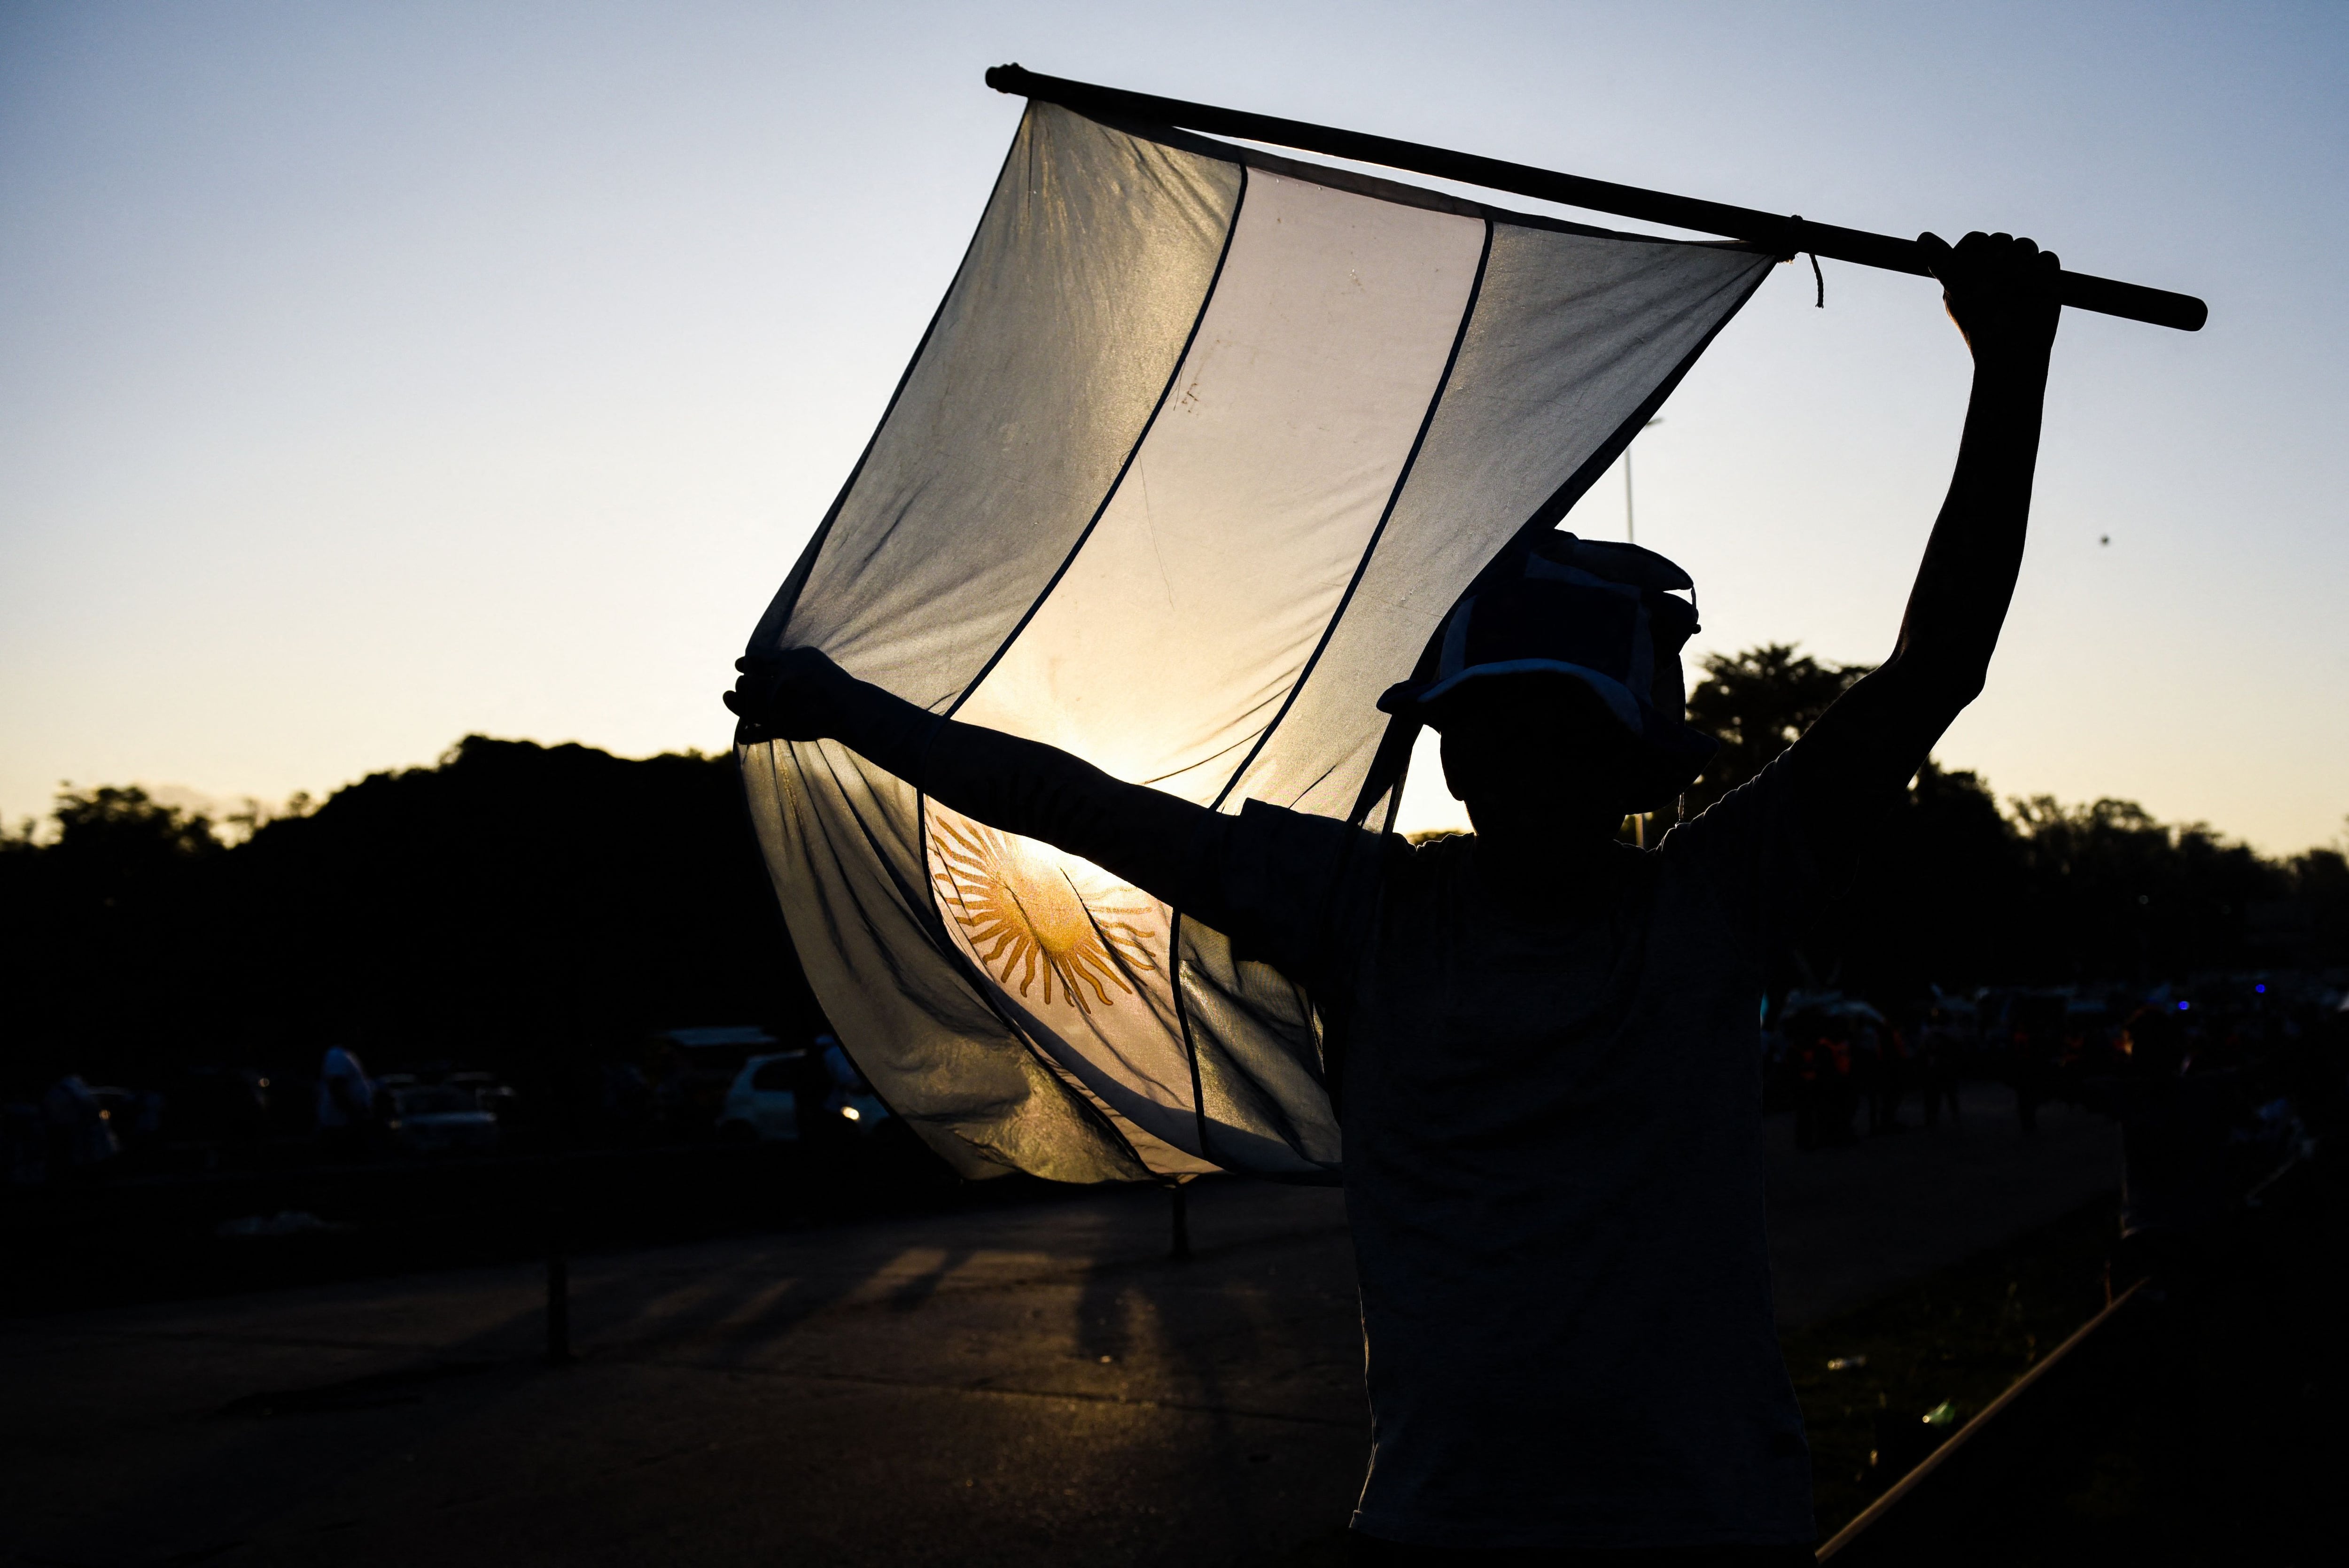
pixel 1031 1386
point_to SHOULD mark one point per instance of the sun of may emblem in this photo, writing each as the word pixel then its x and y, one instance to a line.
pixel 1020 911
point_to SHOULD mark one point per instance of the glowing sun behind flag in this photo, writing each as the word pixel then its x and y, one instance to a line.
pixel 1018 906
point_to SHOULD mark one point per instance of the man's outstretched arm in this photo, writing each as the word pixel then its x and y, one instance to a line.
pixel 2001 292
pixel 1158 842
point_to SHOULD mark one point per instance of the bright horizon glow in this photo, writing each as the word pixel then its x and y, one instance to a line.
pixel 370 377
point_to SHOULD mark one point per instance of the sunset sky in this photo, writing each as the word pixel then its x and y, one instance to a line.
pixel 374 375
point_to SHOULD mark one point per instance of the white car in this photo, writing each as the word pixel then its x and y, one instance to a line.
pixel 763 1102
pixel 439 1118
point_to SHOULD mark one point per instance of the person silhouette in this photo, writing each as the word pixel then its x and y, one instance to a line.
pixel 346 1102
pixel 1543 1043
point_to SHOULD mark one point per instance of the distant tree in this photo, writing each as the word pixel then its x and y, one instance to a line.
pixel 1757 703
pixel 114 839
pixel 1933 899
pixel 1951 890
pixel 517 906
pixel 2124 896
pixel 2321 881
pixel 97 922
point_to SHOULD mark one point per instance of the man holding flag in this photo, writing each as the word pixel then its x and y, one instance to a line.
pixel 1543 1041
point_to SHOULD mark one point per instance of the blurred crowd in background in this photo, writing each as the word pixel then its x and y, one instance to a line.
pixel 2218 1088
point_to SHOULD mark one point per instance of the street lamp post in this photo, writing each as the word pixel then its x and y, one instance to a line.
pixel 1631 536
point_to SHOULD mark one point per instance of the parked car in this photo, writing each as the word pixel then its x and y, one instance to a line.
pixel 80 1138
pixel 218 1104
pixel 437 1118
pixel 692 1070
pixel 135 1116
pixel 496 1098
pixel 763 1102
pixel 786 1096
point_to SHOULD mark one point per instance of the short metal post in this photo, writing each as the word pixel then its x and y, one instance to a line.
pixel 558 1293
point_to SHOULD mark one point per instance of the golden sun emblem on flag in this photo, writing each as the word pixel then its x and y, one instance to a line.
pixel 1018 908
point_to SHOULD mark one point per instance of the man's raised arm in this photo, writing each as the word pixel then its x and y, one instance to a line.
pixel 2001 292
pixel 1155 840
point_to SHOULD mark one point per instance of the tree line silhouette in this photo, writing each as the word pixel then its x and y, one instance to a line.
pixel 1954 889
pixel 537 909
pixel 527 907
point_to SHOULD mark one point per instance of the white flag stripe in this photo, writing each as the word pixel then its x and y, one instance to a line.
pixel 1290 420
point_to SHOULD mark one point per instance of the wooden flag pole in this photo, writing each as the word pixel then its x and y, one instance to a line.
pixel 1786 236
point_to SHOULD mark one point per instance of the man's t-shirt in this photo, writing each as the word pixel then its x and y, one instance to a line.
pixel 1553 1125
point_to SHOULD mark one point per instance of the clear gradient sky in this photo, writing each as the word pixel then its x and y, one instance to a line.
pixel 372 375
